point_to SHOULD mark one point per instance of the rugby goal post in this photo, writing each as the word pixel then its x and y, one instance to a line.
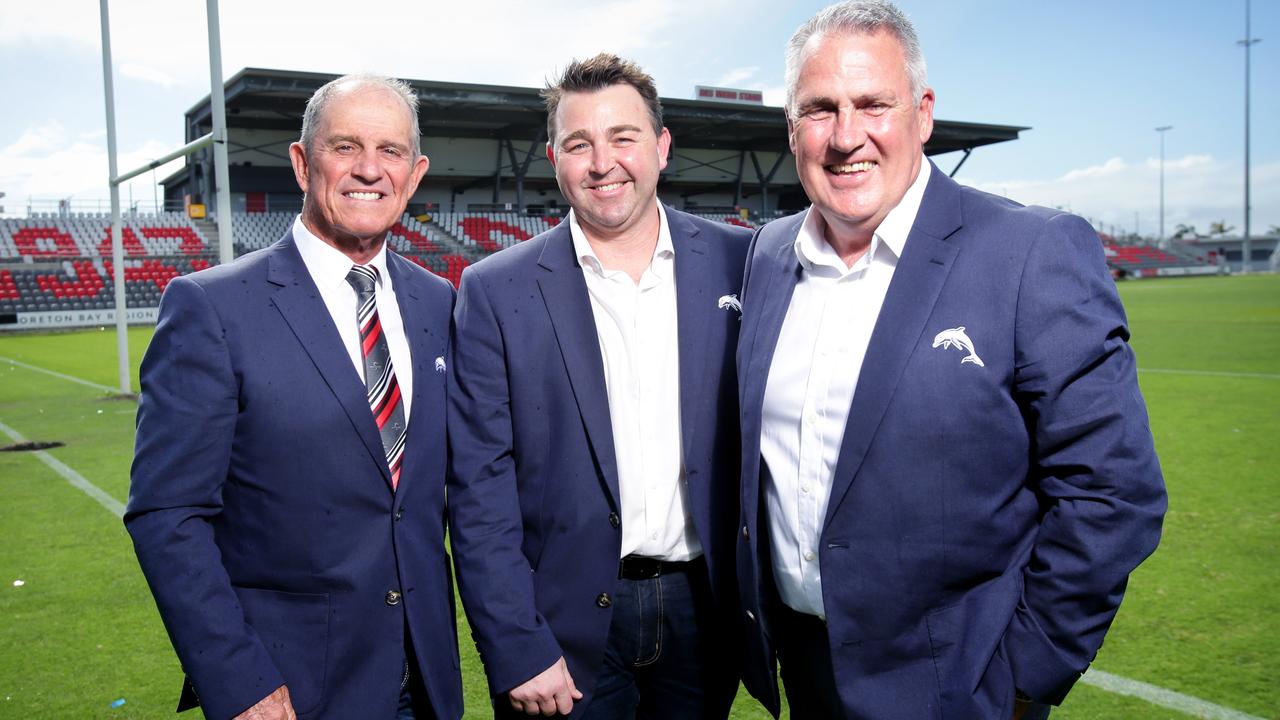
pixel 217 138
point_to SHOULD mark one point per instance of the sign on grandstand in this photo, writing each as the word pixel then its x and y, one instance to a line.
pixel 728 95
pixel 74 318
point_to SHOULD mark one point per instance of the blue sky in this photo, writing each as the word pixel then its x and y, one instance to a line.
pixel 1091 78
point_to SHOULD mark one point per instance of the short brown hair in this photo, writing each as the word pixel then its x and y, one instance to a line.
pixel 597 73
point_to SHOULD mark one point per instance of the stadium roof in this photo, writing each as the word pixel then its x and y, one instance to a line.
pixel 258 98
pixel 264 109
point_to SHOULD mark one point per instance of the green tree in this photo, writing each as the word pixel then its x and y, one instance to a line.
pixel 1220 228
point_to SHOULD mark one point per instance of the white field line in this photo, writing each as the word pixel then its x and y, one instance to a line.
pixel 1212 373
pixel 1103 680
pixel 54 373
pixel 1195 707
pixel 76 479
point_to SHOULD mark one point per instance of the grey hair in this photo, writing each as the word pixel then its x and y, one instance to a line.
pixel 858 17
pixel 319 102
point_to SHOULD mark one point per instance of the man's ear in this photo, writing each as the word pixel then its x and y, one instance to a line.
pixel 298 157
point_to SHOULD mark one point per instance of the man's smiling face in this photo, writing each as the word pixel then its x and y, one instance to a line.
pixel 855 128
pixel 607 158
pixel 361 169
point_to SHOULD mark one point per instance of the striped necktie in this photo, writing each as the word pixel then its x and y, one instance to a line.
pixel 379 377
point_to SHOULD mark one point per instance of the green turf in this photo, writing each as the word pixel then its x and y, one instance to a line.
pixel 1200 616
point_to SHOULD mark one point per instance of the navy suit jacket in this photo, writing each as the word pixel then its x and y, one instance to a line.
pixel 533 483
pixel 261 506
pixel 983 518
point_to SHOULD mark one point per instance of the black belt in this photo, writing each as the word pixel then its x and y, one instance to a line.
pixel 635 567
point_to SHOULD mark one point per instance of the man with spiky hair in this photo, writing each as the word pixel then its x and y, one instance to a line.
pixel 287 497
pixel 948 473
pixel 593 434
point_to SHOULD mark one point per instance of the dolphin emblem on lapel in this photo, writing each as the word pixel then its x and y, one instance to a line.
pixel 955 336
pixel 730 302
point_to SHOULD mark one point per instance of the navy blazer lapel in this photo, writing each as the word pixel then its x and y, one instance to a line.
pixel 770 302
pixel 423 345
pixel 299 301
pixel 696 308
pixel 564 291
pixel 917 282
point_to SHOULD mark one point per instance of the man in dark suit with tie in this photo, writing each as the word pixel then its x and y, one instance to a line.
pixel 948 473
pixel 593 475
pixel 287 497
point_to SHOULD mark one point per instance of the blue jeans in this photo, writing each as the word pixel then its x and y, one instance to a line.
pixel 666 654
pixel 414 704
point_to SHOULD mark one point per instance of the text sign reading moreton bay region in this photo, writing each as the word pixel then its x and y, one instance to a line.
pixel 74 318
pixel 729 95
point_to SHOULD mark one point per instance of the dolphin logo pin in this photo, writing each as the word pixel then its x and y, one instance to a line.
pixel 440 364
pixel 955 336
pixel 730 302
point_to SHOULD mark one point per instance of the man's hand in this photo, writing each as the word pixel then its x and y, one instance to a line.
pixel 275 706
pixel 547 693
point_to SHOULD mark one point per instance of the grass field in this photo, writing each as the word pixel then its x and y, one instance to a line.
pixel 1200 618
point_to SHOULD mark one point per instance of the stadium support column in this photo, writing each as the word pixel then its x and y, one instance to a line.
pixel 218 106
pixel 737 187
pixel 765 179
pixel 117 247
pixel 497 172
pixel 521 169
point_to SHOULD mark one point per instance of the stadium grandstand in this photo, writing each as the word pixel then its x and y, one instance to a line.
pixel 490 186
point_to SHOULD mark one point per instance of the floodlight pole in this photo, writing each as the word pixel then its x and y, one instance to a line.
pixel 1162 130
pixel 117 245
pixel 217 102
pixel 1248 41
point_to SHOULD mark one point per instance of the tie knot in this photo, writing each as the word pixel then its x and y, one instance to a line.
pixel 362 278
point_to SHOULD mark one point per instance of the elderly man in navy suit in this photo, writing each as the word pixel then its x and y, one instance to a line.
pixel 592 432
pixel 287 498
pixel 948 473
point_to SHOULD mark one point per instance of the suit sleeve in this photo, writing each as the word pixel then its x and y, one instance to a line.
pixel 186 424
pixel 1093 461
pixel 495 579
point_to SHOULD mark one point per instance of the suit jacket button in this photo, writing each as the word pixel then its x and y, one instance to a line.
pixel 751 616
pixel 614 520
pixel 603 600
pixel 745 535
pixel 393 597
pixel 399 514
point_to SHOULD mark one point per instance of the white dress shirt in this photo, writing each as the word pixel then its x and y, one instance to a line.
pixel 639 347
pixel 328 267
pixel 815 369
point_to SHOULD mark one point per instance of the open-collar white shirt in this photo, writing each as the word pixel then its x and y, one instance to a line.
pixel 639 349
pixel 815 369
pixel 328 267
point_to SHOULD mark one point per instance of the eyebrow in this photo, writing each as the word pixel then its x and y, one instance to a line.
pixel 586 135
pixel 828 102
pixel 357 141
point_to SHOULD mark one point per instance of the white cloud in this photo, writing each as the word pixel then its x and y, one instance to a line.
pixel 1199 190
pixel 146 73
pixel 69 166
pixel 485 41
pixel 36 141
pixel 1111 167
pixel 737 75
pixel 1182 163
